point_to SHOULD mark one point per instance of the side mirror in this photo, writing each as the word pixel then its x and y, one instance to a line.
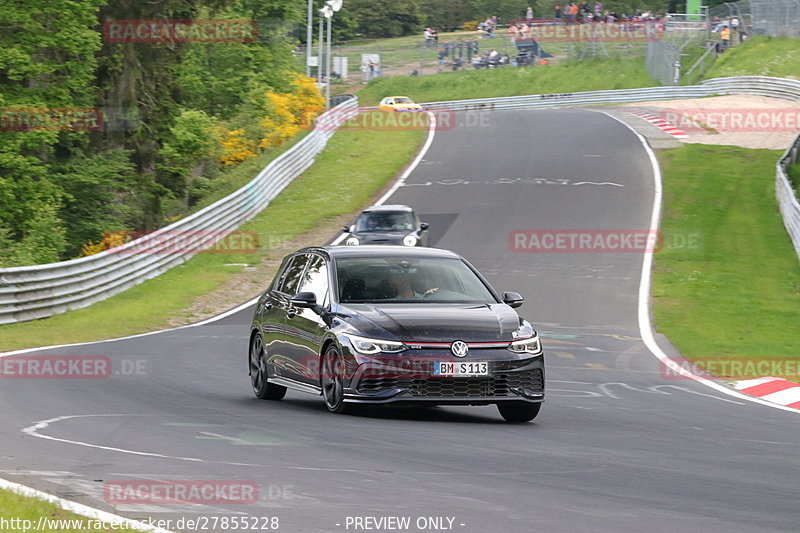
pixel 512 299
pixel 423 226
pixel 304 300
pixel 346 229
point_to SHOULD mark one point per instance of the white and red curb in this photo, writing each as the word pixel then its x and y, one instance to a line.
pixel 661 124
pixel 771 389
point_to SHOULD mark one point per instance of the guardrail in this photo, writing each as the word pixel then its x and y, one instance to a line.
pixel 787 199
pixel 533 101
pixel 39 291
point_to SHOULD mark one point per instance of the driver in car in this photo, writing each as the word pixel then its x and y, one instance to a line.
pixel 400 281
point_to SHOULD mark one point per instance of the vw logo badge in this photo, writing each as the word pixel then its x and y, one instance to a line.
pixel 459 348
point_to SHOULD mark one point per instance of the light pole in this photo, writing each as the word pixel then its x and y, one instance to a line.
pixel 331 6
pixel 309 23
pixel 321 40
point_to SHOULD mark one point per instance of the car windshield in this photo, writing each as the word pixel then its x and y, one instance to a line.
pixel 396 279
pixel 385 221
pixel 403 101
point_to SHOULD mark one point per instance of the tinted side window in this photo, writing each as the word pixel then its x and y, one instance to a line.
pixel 315 278
pixel 291 277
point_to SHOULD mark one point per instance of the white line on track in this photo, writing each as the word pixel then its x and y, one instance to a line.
pixel 402 179
pixel 97 514
pixel 78 508
pixel 645 327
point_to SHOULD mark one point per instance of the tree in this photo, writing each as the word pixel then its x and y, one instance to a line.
pixel 98 193
pixel 386 18
pixel 47 65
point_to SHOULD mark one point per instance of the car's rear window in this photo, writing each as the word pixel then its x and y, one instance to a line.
pixel 403 280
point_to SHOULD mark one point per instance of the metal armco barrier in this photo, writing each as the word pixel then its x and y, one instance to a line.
pixel 39 291
pixel 787 199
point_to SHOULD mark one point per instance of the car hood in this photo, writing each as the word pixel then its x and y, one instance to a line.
pixel 435 322
pixel 382 236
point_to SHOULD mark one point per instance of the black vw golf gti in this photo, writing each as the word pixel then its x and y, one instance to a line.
pixel 393 324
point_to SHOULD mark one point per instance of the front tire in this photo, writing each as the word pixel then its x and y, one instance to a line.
pixel 332 381
pixel 518 412
pixel 259 373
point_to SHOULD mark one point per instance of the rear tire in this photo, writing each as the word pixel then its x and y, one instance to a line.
pixel 518 412
pixel 259 374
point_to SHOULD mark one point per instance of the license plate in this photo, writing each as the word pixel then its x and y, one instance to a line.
pixel 460 369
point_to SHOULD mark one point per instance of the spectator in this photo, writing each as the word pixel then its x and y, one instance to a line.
pixel 428 37
pixel 529 13
pixel 557 14
pixel 435 35
pixel 573 12
pixel 585 9
pixel 523 33
pixel 476 61
pixel 725 35
pixel 489 26
pixel 598 8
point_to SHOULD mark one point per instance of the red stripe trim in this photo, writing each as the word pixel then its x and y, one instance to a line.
pixel 448 344
pixel 769 387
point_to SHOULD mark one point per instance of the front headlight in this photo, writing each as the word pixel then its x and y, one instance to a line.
pixel 410 240
pixel 530 345
pixel 352 241
pixel 367 346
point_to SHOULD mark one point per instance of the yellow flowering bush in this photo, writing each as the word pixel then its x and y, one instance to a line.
pixel 236 147
pixel 284 115
pixel 111 239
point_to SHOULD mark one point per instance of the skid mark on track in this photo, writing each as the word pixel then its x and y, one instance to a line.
pixel 614 390
pixel 514 181
pixel 657 389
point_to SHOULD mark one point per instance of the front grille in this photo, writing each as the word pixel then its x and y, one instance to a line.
pixel 499 385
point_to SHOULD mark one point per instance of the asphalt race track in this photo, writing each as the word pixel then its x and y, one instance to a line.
pixel 619 444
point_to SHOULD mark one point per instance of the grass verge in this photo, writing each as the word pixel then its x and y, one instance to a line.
pixel 726 284
pixel 23 514
pixel 760 56
pixel 585 75
pixel 354 165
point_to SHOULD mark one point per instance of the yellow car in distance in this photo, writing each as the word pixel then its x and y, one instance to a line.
pixel 399 103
